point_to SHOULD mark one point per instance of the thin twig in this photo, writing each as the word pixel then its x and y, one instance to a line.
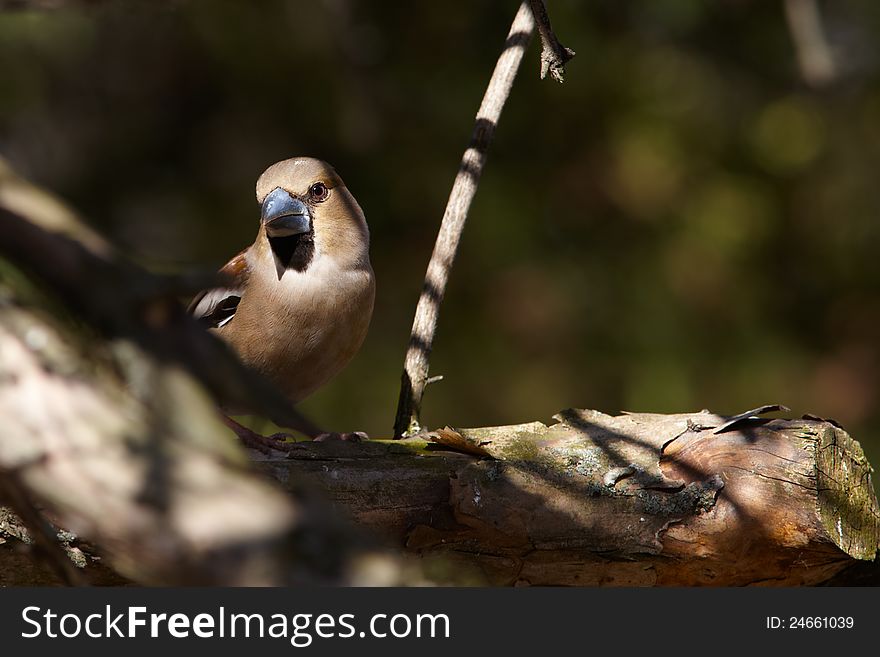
pixel 415 374
pixel 554 55
pixel 814 55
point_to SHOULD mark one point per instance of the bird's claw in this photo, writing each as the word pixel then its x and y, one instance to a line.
pixel 350 436
pixel 250 438
pixel 266 444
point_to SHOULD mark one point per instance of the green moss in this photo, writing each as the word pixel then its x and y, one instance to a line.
pixel 406 446
pixel 523 447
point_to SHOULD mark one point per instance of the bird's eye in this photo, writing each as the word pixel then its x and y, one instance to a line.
pixel 318 192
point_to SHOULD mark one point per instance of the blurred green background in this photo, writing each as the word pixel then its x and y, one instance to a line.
pixel 684 224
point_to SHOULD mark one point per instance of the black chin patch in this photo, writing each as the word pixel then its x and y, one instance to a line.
pixel 293 252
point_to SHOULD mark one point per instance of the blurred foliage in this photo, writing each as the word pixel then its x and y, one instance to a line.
pixel 683 224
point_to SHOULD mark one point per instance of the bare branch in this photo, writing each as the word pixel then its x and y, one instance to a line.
pixel 415 374
pixel 814 55
pixel 554 55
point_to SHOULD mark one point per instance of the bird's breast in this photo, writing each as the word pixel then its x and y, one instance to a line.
pixel 302 329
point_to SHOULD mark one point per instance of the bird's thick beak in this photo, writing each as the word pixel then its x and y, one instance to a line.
pixel 285 215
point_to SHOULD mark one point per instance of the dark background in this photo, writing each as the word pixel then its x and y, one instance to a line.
pixel 684 224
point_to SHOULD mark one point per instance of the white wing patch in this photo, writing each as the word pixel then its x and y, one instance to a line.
pixel 216 308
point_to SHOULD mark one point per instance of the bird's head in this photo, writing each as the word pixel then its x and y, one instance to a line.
pixel 307 213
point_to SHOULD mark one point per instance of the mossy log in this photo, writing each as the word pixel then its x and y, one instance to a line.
pixel 634 500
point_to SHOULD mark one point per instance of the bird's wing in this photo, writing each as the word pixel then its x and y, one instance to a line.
pixel 216 306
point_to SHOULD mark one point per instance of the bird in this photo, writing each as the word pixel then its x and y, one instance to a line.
pixel 296 304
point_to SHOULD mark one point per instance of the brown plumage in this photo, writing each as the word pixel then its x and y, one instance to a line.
pixel 298 301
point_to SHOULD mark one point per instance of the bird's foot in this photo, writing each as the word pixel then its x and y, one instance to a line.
pixel 277 442
pixel 350 436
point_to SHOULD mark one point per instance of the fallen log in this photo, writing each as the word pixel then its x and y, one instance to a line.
pixel 634 500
